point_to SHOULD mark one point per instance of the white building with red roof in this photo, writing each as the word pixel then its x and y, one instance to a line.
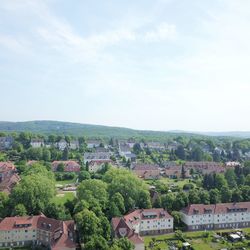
pixel 38 230
pixel 142 222
pixel 216 216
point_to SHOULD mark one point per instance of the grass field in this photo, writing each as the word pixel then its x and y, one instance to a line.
pixel 65 182
pixel 61 198
pixel 179 183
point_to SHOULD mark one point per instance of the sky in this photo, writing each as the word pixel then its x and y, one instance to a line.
pixel 144 64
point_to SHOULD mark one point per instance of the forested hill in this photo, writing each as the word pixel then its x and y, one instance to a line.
pixel 77 129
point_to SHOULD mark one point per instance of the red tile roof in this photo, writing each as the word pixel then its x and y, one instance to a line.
pixel 146 171
pixel 197 209
pixel 69 166
pixel 7 166
pixel 9 177
pixel 206 167
pixel 220 208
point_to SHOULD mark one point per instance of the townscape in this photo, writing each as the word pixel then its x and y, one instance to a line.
pixel 68 192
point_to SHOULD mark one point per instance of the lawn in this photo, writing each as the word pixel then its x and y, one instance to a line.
pixel 179 183
pixel 66 182
pixel 62 198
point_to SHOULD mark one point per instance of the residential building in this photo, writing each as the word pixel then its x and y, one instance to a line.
pixel 172 146
pixel 95 166
pixel 69 166
pixel 204 167
pixel 146 171
pixel 37 143
pixel 142 222
pixel 175 172
pixel 125 151
pixel 62 144
pixel 218 216
pixel 156 145
pixel 8 177
pixel 6 142
pixel 38 230
pixel 101 150
pixel 74 145
pixel 93 143
pixel 96 156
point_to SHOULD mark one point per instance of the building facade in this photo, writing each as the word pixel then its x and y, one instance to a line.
pixel 37 230
pixel 69 166
pixel 8 177
pixel 37 143
pixel 142 222
pixel 97 156
pixel 218 216
pixel 146 171
pixel 6 142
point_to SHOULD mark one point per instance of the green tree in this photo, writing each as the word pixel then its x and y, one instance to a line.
pixel 123 244
pixel 34 154
pixel 220 181
pixel 180 152
pixel 57 211
pixel 83 175
pixel 60 167
pixel 88 225
pixel 34 192
pixel 118 200
pixel 96 242
pixel 197 154
pixel 226 194
pixel 181 201
pixel 93 188
pixel 65 155
pixel 214 196
pixel 46 154
pixel 204 196
pixel 231 178
pixel 133 190
pixel 25 139
pixel 177 218
pixel 4 201
pixel 194 197
pixel 168 201
pixel 19 210
pixel 144 199
pixel 236 195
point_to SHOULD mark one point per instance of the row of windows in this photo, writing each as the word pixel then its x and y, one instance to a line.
pixel 155 221
pixel 18 231
pixel 218 215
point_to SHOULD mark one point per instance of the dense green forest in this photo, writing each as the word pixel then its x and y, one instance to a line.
pixel 77 129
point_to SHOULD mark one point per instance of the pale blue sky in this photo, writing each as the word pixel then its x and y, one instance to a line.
pixel 144 64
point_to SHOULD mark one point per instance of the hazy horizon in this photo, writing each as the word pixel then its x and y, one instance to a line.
pixel 157 65
pixel 139 129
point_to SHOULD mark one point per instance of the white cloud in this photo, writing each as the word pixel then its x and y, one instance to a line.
pixel 14 44
pixel 164 31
